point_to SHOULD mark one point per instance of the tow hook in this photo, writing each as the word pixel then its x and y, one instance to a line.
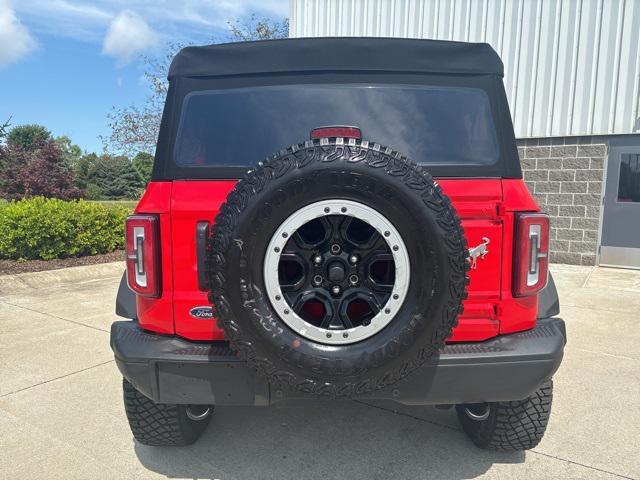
pixel 479 251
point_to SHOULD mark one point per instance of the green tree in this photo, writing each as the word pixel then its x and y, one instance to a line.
pixel 143 164
pixel 116 178
pixel 93 192
pixel 70 151
pixel 258 29
pixel 4 129
pixel 135 128
pixel 35 173
pixel 28 137
pixel 82 170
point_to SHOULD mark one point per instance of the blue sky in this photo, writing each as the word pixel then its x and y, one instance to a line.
pixel 66 63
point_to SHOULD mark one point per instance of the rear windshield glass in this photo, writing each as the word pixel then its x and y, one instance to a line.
pixel 432 125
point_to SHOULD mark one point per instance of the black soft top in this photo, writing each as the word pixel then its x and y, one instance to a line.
pixel 337 54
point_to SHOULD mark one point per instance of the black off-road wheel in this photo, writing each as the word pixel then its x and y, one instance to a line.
pixel 159 424
pixel 337 267
pixel 508 426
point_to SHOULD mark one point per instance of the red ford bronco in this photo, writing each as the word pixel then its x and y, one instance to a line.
pixel 342 218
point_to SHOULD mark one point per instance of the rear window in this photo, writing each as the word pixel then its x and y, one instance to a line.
pixel 430 124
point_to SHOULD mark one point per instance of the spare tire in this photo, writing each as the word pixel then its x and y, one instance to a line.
pixel 337 267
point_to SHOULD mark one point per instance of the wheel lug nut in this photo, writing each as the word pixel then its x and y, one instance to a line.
pixel 335 290
pixel 317 259
pixel 353 259
pixel 317 279
pixel 335 249
pixel 353 279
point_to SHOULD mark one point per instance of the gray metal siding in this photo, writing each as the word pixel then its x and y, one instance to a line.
pixel 572 67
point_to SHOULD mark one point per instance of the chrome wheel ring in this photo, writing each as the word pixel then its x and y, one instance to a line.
pixel 346 208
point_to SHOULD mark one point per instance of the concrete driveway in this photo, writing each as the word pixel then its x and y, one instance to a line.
pixel 61 413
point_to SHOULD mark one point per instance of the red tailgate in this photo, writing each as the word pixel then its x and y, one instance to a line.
pixel 479 203
pixel 192 202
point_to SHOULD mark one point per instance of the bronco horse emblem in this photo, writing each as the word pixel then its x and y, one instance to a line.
pixel 479 251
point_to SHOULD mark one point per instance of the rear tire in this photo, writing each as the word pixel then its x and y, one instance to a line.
pixel 161 424
pixel 508 426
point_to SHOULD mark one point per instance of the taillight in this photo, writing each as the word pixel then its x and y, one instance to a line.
pixel 531 260
pixel 336 131
pixel 143 255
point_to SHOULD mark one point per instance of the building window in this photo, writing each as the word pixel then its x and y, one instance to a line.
pixel 629 180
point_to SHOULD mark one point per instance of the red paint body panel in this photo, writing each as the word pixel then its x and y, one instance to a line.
pixel 477 203
pixel 156 314
pixel 517 197
pixel 193 202
pixel 516 314
pixel 485 207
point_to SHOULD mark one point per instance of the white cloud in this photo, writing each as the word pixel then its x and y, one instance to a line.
pixel 128 35
pixel 15 39
pixel 184 20
pixel 123 33
pixel 84 21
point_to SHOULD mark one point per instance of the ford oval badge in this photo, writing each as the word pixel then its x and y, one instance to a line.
pixel 203 312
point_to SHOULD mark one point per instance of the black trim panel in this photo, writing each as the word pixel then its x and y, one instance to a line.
pixel 202 232
pixel 336 53
pixel 548 301
pixel 173 370
pixel 126 300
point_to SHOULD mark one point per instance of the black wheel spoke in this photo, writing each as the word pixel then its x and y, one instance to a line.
pixel 380 245
pixel 326 322
pixel 294 298
pixel 335 221
pixel 344 317
pixel 329 320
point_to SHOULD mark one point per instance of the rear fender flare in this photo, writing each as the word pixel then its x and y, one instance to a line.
pixel 126 300
pixel 548 302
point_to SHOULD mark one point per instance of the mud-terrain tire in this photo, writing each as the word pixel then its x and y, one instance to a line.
pixel 325 170
pixel 509 426
pixel 159 424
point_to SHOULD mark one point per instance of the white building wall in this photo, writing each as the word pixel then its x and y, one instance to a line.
pixel 572 67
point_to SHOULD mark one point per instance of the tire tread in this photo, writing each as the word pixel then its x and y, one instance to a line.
pixel 158 424
pixel 515 425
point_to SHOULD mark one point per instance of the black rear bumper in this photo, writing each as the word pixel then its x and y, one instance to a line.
pixel 174 370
